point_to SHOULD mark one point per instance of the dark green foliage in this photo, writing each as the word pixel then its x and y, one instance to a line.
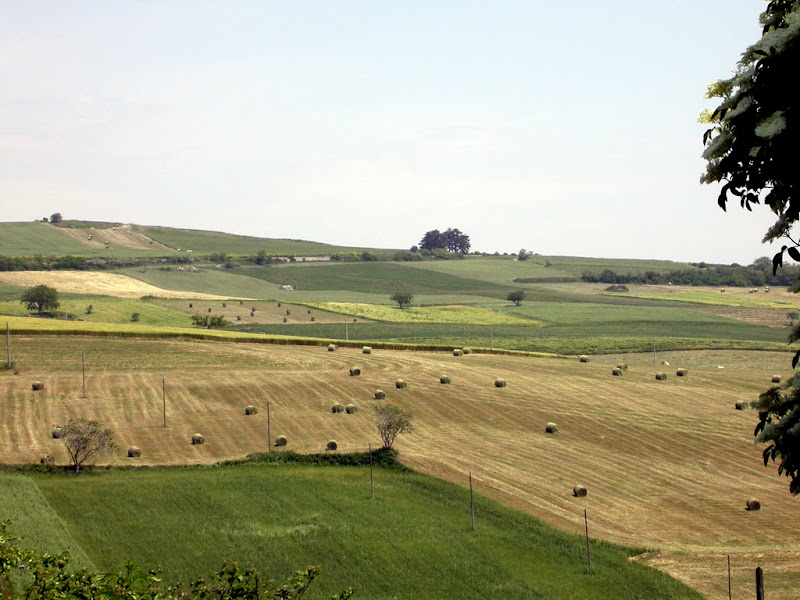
pixel 517 296
pixel 56 218
pixel 135 317
pixel 451 240
pixel 779 428
pixel 40 298
pixel 209 321
pixel 85 439
pixel 403 299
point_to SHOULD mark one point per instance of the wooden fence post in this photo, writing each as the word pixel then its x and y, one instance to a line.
pixel 759 583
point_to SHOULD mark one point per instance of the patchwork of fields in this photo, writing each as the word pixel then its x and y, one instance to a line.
pixel 669 464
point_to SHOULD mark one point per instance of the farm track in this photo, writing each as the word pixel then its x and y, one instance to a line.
pixel 668 465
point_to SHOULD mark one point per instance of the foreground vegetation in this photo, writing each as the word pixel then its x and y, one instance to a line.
pixel 413 541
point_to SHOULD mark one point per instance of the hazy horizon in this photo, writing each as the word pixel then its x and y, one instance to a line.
pixel 566 130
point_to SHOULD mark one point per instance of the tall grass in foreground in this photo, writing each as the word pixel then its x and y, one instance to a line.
pixel 413 541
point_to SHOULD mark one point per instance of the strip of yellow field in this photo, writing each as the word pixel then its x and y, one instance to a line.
pixel 777 298
pixel 424 314
pixel 120 236
pixel 102 284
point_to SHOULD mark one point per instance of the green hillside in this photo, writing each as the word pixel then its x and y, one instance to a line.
pixel 206 242
pixel 26 239
pixel 413 541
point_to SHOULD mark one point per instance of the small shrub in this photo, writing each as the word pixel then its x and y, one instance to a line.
pixel 400 384
pixel 682 372
pixel 380 395
pixel 579 491
pixel 281 440
pixel 250 410
pixel 583 358
pixel 366 350
pixel 661 376
pixel 551 428
pixel 198 439
pixel 37 385
pixel 331 445
pixel 337 408
pixel 500 383
pixel 445 379
pixel 332 347
pixel 134 452
pixel 355 371
pixel 351 409
pixel 753 504
pixel 458 352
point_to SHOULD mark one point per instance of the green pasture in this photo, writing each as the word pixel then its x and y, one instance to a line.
pixel 106 309
pixel 208 280
pixel 431 314
pixel 413 541
pixel 29 239
pixel 577 265
pixel 373 277
pixel 760 300
pixel 495 269
pixel 207 242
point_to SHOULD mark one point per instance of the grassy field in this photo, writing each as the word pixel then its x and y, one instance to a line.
pixel 207 242
pixel 107 309
pixel 668 465
pixel 412 541
pixel 28 239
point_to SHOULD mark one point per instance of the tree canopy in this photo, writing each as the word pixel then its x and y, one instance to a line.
pixel 517 296
pixel 85 439
pixel 451 240
pixel 40 298
pixel 391 421
pixel 402 298
pixel 752 146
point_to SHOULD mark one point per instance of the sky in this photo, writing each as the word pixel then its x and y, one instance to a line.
pixel 565 128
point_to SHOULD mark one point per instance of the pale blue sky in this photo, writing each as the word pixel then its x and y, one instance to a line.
pixel 560 127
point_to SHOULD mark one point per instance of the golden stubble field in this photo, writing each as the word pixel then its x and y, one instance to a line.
pixel 668 464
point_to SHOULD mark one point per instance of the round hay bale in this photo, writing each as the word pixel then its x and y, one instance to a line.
pixel 47 459
pixel 351 409
pixel 37 385
pixel 617 372
pixel 250 410
pixel 445 379
pixel 134 452
pixel 551 428
pixel 380 395
pixel 458 352
pixel 332 347
pixel 661 376
pixel 355 371
pixel 309 311
pixel 366 350
pixel 776 379
pixel 285 320
pixel 288 311
pixel 467 350
pixel 623 366
pixel 741 405
pixel 400 384
pixel 499 383
pixel 583 358
pixel 281 440
pixel 331 445
pixel 337 408
pixel 56 432
pixel 682 372
pixel 579 491
pixel 665 363
pixel 753 504
pixel 312 318
pixel 198 439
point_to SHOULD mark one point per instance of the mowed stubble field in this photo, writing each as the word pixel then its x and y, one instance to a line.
pixel 668 465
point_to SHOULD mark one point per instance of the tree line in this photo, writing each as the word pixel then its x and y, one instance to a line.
pixel 755 275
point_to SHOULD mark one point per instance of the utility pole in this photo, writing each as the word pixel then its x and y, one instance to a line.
pixel 83 373
pixel 8 346
pixel 164 399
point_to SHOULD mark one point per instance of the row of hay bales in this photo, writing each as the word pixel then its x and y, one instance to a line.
pixel 350 409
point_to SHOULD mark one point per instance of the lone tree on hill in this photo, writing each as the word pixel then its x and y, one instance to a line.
pixel 517 296
pixel 752 147
pixel 451 240
pixel 85 439
pixel 391 421
pixel 40 298
pixel 402 298
pixel 56 218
